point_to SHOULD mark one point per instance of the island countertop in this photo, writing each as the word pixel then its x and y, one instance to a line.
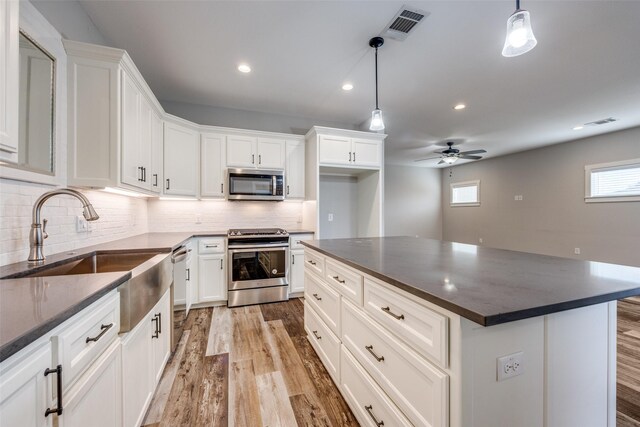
pixel 485 285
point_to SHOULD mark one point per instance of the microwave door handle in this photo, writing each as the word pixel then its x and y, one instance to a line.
pixel 273 185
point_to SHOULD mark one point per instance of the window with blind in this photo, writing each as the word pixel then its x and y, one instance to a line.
pixel 465 193
pixel 613 182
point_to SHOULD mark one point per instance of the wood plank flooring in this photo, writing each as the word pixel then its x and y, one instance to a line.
pixel 628 390
pixel 253 366
pixel 247 366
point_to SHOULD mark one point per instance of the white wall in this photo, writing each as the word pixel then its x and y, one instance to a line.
pixel 71 20
pixel 120 217
pixel 553 217
pixel 242 119
pixel 412 202
pixel 338 196
pixel 220 215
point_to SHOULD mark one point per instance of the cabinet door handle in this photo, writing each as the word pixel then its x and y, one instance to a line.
pixel 58 372
pixel 370 349
pixel 144 174
pixel 104 329
pixel 369 410
pixel 315 334
pixel 391 313
pixel 337 279
pixel 259 159
pixel 156 334
pixel 155 179
pixel 188 271
pixel 293 259
pixel 140 173
pixel 253 159
pixel 221 263
pixel 159 322
pixel 317 297
pixel 349 155
pixel 354 156
pixel 312 262
pixel 168 184
pixel 287 189
pixel 222 188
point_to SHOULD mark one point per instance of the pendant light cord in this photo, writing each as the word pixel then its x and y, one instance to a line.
pixel 377 79
pixel 517 4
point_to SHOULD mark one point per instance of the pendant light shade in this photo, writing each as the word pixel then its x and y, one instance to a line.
pixel 376 115
pixel 450 160
pixel 520 38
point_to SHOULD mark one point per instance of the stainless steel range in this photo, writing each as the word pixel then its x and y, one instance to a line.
pixel 258 266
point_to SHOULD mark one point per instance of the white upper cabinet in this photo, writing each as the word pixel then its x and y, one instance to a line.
pixel 255 152
pixel 271 153
pixel 180 160
pixel 354 152
pixel 294 172
pixel 9 62
pixel 212 163
pixel 157 138
pixel 241 151
pixel 132 129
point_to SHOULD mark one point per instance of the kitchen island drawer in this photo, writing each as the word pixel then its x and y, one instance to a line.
pixel 417 387
pixel 346 280
pixel 314 262
pixel 87 337
pixel 417 325
pixel 324 300
pixel 324 342
pixel 211 246
pixel 369 403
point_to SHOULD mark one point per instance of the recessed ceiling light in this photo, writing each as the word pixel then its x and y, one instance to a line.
pixel 578 127
pixel 459 107
pixel 244 68
pixel 347 86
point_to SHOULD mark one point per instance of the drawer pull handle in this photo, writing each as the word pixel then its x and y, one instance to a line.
pixel 369 410
pixel 337 279
pixel 391 313
pixel 317 297
pixel 315 334
pixel 312 262
pixel 104 329
pixel 58 372
pixel 370 349
pixel 210 246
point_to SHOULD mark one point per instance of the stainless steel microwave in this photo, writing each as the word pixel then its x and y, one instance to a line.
pixel 255 184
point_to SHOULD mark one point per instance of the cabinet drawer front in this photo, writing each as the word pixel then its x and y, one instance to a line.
pixel 314 262
pixel 325 343
pixel 88 337
pixel 418 326
pixel 366 399
pixel 211 246
pixel 418 388
pixel 347 281
pixel 295 241
pixel 324 300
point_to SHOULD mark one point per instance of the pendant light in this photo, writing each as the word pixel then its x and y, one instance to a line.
pixel 520 38
pixel 376 115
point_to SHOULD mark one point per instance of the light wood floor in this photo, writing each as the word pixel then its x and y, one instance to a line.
pixel 247 366
pixel 253 366
pixel 629 362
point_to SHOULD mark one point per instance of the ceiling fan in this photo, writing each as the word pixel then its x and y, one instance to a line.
pixel 451 155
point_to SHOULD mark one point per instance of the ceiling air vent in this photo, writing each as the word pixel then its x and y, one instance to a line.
pixel 404 21
pixel 601 122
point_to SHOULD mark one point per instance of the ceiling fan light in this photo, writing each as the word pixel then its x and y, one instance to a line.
pixel 376 120
pixel 450 160
pixel 520 38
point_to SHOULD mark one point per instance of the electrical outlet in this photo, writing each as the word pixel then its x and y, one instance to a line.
pixel 92 225
pixel 81 224
pixel 330 217
pixel 576 251
pixel 510 365
pixel 198 219
pixel 480 240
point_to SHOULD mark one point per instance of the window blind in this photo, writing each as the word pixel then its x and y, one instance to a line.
pixel 616 181
pixel 464 194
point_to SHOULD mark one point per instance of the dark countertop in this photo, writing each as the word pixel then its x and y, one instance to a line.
pixel 31 307
pixel 485 285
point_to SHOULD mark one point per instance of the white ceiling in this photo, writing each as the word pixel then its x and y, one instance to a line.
pixel 586 65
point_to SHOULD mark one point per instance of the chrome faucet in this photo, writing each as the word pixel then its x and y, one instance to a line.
pixel 38 230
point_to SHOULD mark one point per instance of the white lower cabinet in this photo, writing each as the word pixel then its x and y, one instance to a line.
pixel 25 393
pixel 145 351
pixel 95 399
pixel 296 272
pixel 212 284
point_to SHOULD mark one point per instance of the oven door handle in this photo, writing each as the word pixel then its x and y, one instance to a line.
pixel 253 247
pixel 278 248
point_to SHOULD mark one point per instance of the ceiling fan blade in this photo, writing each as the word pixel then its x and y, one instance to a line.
pixel 427 158
pixel 441 162
pixel 472 152
pixel 470 157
